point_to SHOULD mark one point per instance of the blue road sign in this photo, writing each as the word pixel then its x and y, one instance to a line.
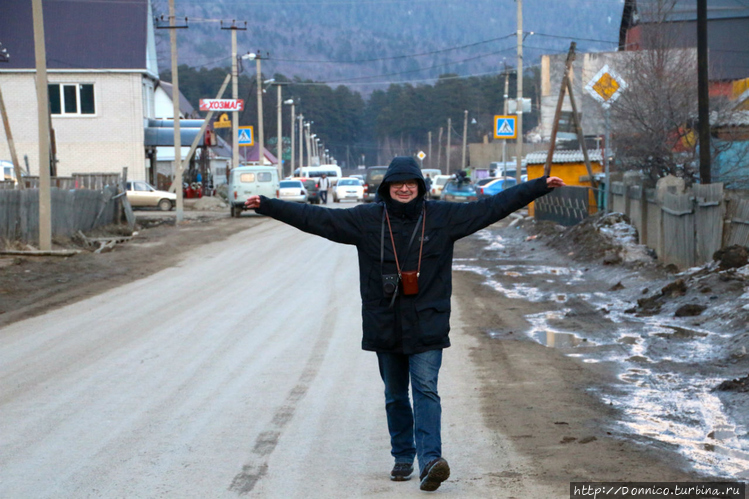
pixel 504 127
pixel 245 136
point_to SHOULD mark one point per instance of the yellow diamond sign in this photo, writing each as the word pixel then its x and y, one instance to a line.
pixel 606 86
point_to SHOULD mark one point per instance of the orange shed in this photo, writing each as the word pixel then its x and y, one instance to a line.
pixel 570 167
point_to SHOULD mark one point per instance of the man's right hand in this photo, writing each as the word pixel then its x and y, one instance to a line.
pixel 252 202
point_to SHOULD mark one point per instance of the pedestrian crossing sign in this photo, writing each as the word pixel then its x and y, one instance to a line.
pixel 504 127
pixel 245 136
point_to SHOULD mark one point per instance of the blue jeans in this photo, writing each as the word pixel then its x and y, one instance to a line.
pixel 413 432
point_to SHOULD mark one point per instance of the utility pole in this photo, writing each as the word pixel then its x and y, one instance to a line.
pixel 504 142
pixel 703 94
pixel 449 133
pixel 439 150
pixel 309 143
pixel 279 133
pixel 519 147
pixel 42 99
pixel 430 150
pixel 234 93
pixel 301 143
pixel 172 27
pixel 465 136
pixel 261 146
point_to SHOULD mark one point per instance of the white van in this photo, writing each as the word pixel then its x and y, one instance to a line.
pixel 246 181
pixel 333 172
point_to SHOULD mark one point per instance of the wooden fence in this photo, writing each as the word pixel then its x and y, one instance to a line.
pixel 72 210
pixel 95 181
pixel 684 229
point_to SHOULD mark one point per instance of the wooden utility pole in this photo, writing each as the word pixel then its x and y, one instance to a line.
pixel 42 100
pixel 465 138
pixel 558 111
pixel 11 144
pixel 449 133
pixel 519 147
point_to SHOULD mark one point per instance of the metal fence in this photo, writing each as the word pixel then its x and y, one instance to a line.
pixel 564 205
pixel 72 210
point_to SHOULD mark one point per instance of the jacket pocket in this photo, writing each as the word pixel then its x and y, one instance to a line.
pixel 378 325
pixel 434 321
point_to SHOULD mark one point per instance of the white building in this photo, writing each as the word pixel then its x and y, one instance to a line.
pixel 102 72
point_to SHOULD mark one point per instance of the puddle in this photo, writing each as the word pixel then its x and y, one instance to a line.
pixel 546 335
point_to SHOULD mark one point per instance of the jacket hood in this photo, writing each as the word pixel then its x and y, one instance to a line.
pixel 400 169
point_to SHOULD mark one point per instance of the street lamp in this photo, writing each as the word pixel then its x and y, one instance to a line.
pixel 290 102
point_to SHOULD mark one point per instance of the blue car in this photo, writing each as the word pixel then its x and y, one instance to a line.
pixel 462 192
pixel 497 186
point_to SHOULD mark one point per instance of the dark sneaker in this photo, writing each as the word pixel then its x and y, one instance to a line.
pixel 401 472
pixel 434 474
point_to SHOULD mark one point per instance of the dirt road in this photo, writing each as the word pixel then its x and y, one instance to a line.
pixel 238 371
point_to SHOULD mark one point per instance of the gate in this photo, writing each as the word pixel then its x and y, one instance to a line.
pixel 564 205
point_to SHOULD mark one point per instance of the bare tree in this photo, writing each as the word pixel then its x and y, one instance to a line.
pixel 654 121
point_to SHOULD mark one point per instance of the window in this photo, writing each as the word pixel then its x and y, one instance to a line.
pixel 141 186
pixel 264 177
pixel 72 99
pixel 247 177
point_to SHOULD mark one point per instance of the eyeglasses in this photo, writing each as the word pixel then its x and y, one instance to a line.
pixel 408 184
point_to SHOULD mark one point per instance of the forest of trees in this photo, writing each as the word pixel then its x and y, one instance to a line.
pixel 390 122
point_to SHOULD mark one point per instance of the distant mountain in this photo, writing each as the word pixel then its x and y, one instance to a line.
pixel 374 42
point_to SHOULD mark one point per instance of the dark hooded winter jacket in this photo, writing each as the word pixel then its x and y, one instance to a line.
pixel 414 323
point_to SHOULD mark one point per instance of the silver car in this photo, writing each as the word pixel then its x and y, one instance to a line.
pixel 292 190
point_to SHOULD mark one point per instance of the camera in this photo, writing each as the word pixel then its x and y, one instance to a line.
pixel 389 285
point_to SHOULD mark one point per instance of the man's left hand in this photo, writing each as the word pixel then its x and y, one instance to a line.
pixel 553 182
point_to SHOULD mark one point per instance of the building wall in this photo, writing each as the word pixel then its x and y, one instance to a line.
pixel 104 142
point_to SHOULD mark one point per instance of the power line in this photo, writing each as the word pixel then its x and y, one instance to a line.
pixel 423 69
pixel 400 56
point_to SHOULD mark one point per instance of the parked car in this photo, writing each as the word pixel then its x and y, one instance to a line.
pixel 459 192
pixel 438 183
pixel 246 181
pixel 312 186
pixel 373 181
pixel 292 190
pixel 360 177
pixel 143 195
pixel 348 189
pixel 496 186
